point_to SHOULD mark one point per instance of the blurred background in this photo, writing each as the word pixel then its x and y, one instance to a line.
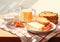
pixel 39 5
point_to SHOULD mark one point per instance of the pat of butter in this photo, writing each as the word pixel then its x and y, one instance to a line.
pixel 36 25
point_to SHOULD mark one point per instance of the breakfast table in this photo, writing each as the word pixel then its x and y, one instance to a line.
pixel 9 37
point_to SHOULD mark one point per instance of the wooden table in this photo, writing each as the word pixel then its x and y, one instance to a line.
pixel 8 37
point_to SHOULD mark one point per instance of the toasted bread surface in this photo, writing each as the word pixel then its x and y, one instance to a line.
pixel 35 26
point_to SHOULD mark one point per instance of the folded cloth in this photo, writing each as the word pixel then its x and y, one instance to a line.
pixel 37 37
pixel 26 36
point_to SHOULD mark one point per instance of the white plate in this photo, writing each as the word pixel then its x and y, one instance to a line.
pixel 35 31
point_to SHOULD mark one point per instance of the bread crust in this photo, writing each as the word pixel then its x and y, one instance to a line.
pixel 41 20
pixel 53 17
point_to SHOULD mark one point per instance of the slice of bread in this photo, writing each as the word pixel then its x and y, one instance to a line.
pixel 42 20
pixel 51 16
pixel 35 26
pixel 47 13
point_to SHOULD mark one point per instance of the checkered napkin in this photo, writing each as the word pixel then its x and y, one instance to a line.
pixel 24 35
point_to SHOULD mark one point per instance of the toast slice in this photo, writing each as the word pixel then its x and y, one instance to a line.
pixel 42 20
pixel 51 16
pixel 35 26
